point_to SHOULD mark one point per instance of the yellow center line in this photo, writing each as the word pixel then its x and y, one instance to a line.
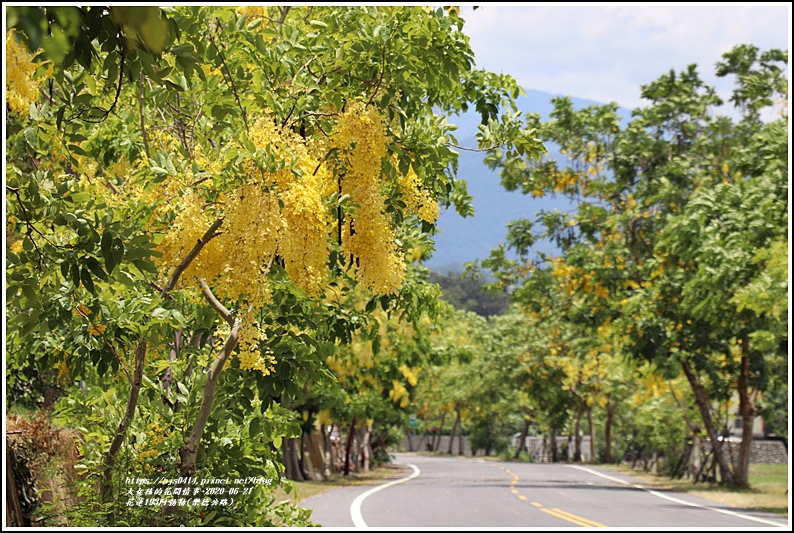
pixel 579 518
pixel 536 504
pixel 522 497
pixel 514 491
pixel 567 519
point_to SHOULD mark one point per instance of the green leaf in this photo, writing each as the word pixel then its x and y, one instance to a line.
pixel 31 137
pixel 96 268
pixel 255 426
pixel 88 283
pixel 74 270
pixel 117 250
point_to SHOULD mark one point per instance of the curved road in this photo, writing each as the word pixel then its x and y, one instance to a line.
pixel 471 492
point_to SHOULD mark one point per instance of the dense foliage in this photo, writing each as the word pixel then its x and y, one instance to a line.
pixel 676 254
pixel 203 205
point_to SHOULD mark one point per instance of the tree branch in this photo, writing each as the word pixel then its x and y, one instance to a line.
pixel 188 451
pixel 135 388
pixel 143 125
pixel 29 225
pixel 231 81
pixel 192 255
pixel 215 304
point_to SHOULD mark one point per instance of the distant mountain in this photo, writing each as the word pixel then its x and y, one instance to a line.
pixel 467 239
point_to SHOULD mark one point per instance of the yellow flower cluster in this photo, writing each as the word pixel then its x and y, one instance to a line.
pixel 249 353
pixel 63 373
pixel 252 13
pixel 399 394
pixel 96 329
pixel 409 374
pixel 21 89
pixel 342 367
pixel 368 237
pixel 566 182
pixel 418 200
pixel 278 214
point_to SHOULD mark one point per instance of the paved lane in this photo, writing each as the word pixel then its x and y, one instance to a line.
pixel 470 492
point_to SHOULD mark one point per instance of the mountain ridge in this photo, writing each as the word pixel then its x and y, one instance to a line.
pixel 461 240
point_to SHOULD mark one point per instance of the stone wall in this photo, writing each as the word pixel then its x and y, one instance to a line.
pixel 762 451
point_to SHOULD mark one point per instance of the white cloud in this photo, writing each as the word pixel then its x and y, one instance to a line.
pixel 605 53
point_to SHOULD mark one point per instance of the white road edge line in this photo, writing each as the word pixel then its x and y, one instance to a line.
pixel 355 507
pixel 676 500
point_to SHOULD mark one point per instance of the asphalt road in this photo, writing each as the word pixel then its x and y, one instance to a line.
pixel 474 493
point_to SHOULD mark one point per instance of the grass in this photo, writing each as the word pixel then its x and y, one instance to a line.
pixel 769 487
pixel 307 489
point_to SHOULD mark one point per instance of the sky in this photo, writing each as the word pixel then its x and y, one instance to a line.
pixel 605 52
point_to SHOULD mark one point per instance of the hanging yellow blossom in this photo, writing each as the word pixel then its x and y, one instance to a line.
pixel 21 89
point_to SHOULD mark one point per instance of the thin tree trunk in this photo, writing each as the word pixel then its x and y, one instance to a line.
pixel 577 447
pixel 747 411
pixel 365 449
pixel 555 457
pixel 289 469
pixel 296 452
pixel 306 469
pixel 455 426
pixel 608 431
pixel 409 437
pixel 695 455
pixel 356 455
pixel 327 465
pixel 188 451
pixel 349 446
pixel 109 459
pixel 132 402
pixel 437 440
pixel 489 443
pixel 522 444
pixel 592 433
pixel 460 438
pixel 702 401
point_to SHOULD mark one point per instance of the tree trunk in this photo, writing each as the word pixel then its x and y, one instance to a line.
pixel 592 433
pixel 555 456
pixel 366 451
pixel 702 401
pixel 327 457
pixel 292 468
pixel 608 431
pixel 305 464
pixel 460 438
pixel 349 445
pixel 409 437
pixel 437 440
pixel 747 411
pixel 489 443
pixel 188 451
pixel 522 444
pixel 696 457
pixel 455 426
pixel 577 446
pixel 132 402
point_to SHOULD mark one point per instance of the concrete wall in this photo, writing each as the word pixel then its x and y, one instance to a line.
pixel 762 451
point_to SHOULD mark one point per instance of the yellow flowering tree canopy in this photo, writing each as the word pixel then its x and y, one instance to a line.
pixel 680 216
pixel 191 191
